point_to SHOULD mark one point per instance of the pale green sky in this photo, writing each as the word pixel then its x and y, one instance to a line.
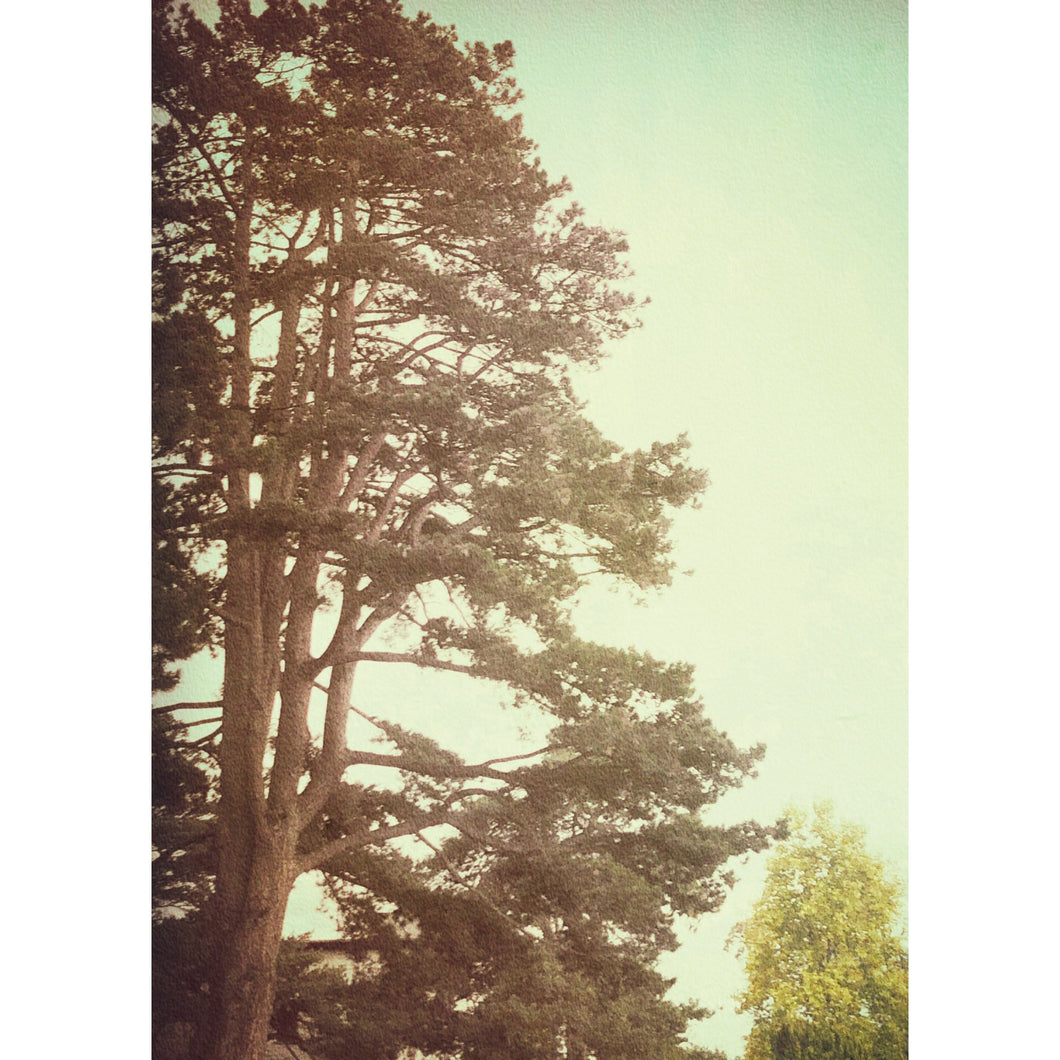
pixel 755 154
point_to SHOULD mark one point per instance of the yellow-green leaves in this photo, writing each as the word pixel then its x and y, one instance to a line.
pixel 826 969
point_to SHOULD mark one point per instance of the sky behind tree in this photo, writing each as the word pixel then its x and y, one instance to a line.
pixel 755 155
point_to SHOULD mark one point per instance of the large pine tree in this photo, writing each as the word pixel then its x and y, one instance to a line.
pixel 369 299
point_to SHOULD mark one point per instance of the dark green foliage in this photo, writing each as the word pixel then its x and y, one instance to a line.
pixel 182 592
pixel 369 302
pixel 183 799
pixel 182 868
pixel 540 922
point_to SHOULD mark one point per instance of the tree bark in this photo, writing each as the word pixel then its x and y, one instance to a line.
pixel 248 927
pixel 257 842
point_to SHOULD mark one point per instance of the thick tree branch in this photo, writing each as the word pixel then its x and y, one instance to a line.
pixel 359 472
pixel 226 616
pixel 378 524
pixel 425 767
pixel 372 836
pixel 519 757
pixel 196 723
pixel 170 708
pixel 398 657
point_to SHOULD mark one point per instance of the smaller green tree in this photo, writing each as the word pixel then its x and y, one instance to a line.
pixel 827 969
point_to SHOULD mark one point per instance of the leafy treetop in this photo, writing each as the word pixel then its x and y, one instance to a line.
pixel 827 970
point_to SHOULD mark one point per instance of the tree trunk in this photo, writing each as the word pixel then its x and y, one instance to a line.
pixel 256 842
pixel 246 933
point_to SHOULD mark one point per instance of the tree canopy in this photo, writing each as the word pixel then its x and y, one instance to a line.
pixel 827 969
pixel 368 302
